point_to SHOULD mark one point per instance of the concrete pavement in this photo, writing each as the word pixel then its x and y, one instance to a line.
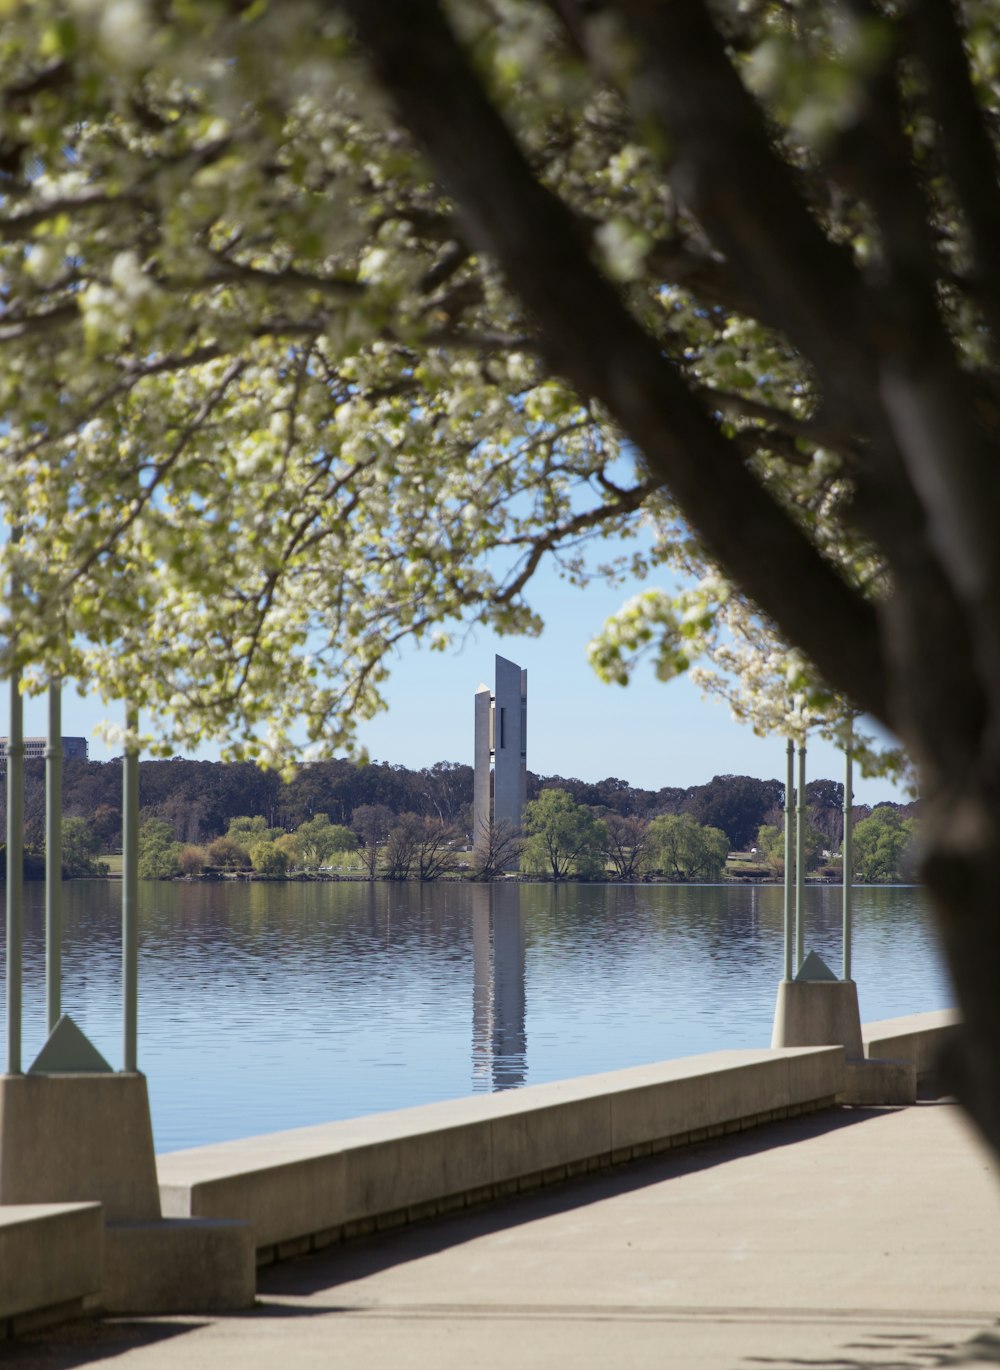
pixel 852 1238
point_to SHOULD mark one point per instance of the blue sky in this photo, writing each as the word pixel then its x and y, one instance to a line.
pixel 649 734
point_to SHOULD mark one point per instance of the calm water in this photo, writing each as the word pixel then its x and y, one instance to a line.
pixel 268 1006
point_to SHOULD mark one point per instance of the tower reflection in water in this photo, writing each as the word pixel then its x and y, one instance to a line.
pixel 499 1043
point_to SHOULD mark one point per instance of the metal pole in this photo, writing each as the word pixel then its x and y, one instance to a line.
pixel 848 846
pixel 789 855
pixel 130 894
pixel 15 872
pixel 800 865
pixel 53 858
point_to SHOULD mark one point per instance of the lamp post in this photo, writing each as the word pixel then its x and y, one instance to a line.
pixel 130 893
pixel 800 865
pixel 15 872
pixel 848 845
pixel 53 858
pixel 789 855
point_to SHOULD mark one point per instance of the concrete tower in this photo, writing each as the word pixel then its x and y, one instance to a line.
pixel 501 769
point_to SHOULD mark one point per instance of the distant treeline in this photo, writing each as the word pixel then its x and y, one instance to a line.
pixel 197 799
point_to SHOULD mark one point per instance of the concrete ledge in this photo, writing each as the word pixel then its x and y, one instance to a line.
pixel 918 1037
pixel 50 1262
pixel 197 1265
pixel 879 1083
pixel 316 1185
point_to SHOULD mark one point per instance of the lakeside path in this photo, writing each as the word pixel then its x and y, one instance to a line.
pixel 849 1239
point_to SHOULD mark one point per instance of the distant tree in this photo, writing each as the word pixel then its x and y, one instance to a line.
pixel 226 853
pixel 288 843
pixel 80 846
pixel 497 849
pixel 628 845
pixel 670 799
pixel 371 823
pixel 106 824
pixel 318 839
pixel 158 852
pixel 436 854
pixel 447 789
pixel 686 850
pixel 561 837
pixel 191 860
pixel 268 858
pixel 825 806
pixel 883 847
pixel 247 828
pixel 771 846
pixel 738 804
pixel 402 846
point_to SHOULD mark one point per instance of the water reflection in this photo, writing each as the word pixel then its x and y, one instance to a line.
pixel 499 1044
pixel 268 1006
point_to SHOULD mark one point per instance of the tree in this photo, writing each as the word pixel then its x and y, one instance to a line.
pixel 318 840
pixel 268 858
pixel 771 844
pixel 248 828
pixel 371 822
pixel 825 804
pixel 883 847
pixel 436 854
pixel 628 845
pixel 158 852
pixel 737 804
pixel 685 849
pixel 287 380
pixel 191 860
pixel 561 838
pixel 226 853
pixel 496 850
pixel 80 847
pixel 402 845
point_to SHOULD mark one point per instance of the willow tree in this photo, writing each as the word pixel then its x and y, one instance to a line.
pixel 323 324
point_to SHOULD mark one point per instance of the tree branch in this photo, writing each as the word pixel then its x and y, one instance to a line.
pixel 590 338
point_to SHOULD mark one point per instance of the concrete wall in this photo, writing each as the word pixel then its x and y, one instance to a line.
pixel 315 1185
pixel 51 1257
pixel 918 1037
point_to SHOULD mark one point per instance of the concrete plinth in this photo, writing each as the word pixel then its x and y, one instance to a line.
pixel 78 1138
pixel 816 1013
pixel 879 1083
pixel 50 1261
pixel 199 1265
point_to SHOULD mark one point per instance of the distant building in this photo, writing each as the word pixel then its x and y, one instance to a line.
pixel 73 749
pixel 501 761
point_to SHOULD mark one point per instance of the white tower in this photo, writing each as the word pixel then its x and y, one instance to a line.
pixel 501 766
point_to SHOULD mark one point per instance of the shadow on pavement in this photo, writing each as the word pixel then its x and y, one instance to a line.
pixel 366 1256
pixel 88 1340
pixel 895 1351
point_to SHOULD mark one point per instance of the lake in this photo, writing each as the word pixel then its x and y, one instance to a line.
pixel 267 1006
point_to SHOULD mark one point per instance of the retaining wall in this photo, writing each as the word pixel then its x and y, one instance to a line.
pixel 918 1037
pixel 304 1189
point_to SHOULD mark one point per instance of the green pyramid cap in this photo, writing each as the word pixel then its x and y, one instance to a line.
pixel 68 1051
pixel 815 968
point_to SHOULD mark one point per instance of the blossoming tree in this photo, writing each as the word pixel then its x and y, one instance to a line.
pixel 324 323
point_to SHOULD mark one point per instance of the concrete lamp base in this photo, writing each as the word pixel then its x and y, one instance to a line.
pixel 818 1013
pixel 77 1138
pixel 84 1138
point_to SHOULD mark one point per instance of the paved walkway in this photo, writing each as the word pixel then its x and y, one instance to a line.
pixel 852 1239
